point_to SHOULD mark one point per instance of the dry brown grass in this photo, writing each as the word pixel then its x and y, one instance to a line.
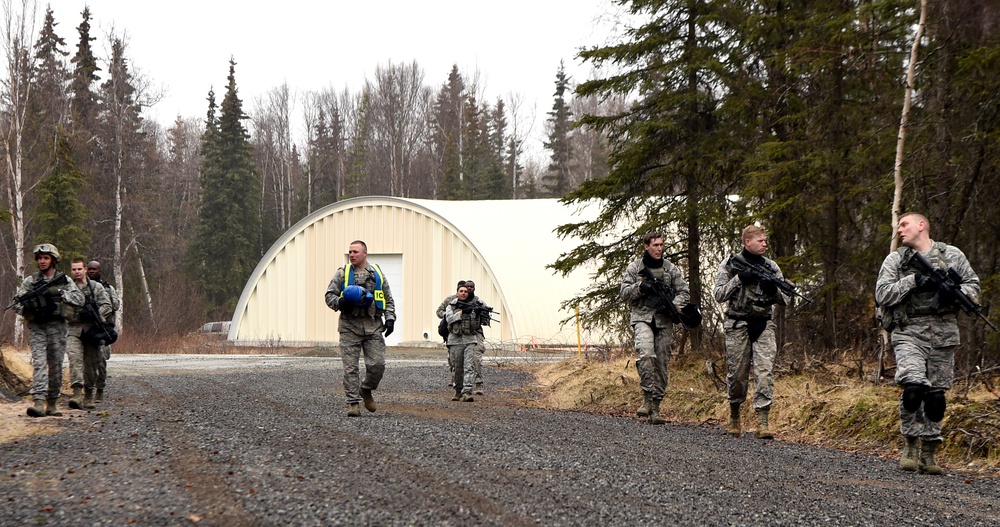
pixel 831 407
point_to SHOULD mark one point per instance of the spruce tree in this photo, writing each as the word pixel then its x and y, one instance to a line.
pixel 84 101
pixel 669 148
pixel 227 242
pixel 557 178
pixel 60 215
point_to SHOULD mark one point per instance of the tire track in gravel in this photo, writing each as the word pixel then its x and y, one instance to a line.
pixel 217 495
pixel 207 489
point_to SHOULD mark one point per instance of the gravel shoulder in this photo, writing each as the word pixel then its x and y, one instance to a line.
pixel 265 441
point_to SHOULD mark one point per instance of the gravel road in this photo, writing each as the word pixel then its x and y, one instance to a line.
pixel 265 441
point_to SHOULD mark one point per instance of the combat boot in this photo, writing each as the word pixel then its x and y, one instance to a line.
pixel 458 395
pixel 38 410
pixel 88 399
pixel 366 396
pixel 763 432
pixel 51 409
pixel 99 396
pixel 734 420
pixel 647 402
pixel 354 410
pixel 479 389
pixel 75 401
pixel 927 465
pixel 908 457
pixel 468 398
pixel 654 413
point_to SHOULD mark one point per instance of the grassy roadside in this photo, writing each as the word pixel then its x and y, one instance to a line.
pixel 831 408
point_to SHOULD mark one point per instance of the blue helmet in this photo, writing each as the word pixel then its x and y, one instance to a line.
pixel 353 295
pixel 367 299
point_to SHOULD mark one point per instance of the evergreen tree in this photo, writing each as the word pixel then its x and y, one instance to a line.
pixel 670 148
pixel 84 101
pixel 322 166
pixel 557 179
pixel 227 242
pixel 60 215
pixel 357 181
pixel 447 135
pixel 48 101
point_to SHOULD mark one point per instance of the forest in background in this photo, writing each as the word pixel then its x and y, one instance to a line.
pixel 180 215
pixel 705 115
pixel 787 114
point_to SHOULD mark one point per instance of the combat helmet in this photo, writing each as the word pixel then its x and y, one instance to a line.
pixel 47 248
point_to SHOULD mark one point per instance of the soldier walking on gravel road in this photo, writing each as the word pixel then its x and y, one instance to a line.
pixel 653 329
pixel 43 299
pixel 922 313
pixel 360 292
pixel 84 352
pixel 746 282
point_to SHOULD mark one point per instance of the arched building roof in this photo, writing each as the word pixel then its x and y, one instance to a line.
pixel 424 247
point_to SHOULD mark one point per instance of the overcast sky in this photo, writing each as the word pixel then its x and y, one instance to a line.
pixel 183 46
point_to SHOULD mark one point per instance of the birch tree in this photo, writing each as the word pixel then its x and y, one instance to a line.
pixel 18 32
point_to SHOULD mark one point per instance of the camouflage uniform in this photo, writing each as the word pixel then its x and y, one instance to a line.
pixel 479 363
pixel 925 340
pixel 748 305
pixel 84 355
pixel 47 333
pixel 102 362
pixel 361 330
pixel 465 345
pixel 653 331
pixel 440 313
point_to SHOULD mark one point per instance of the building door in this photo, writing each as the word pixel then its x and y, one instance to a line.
pixel 392 267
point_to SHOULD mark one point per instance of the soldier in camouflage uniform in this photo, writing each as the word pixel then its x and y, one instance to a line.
pixel 46 318
pixel 653 330
pixel 84 353
pixel 465 342
pixel 923 318
pixel 444 324
pixel 94 274
pixel 361 293
pixel 749 329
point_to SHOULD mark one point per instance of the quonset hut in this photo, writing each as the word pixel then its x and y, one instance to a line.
pixel 423 247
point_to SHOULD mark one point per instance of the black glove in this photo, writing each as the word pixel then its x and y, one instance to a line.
pixel 690 315
pixel 646 288
pixel 747 277
pixel 389 326
pixel 925 283
pixel 769 287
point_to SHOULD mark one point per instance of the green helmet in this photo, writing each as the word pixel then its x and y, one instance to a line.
pixel 46 248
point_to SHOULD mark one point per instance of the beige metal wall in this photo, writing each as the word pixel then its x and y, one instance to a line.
pixel 284 299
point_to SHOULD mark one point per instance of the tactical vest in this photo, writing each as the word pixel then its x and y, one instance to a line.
pixel 49 306
pixel 748 303
pixel 919 302
pixel 379 280
pixel 467 325
pixel 660 274
pixel 77 315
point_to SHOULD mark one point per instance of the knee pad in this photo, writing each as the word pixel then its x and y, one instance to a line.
pixel 913 395
pixel 934 405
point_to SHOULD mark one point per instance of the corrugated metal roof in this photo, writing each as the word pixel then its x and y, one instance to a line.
pixel 508 243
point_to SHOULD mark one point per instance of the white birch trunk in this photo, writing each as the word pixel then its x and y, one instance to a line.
pixel 18 34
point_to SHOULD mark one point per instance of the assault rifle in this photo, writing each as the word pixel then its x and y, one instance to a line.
pixel 101 332
pixel 479 309
pixel 764 273
pixel 663 302
pixel 38 290
pixel 951 281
